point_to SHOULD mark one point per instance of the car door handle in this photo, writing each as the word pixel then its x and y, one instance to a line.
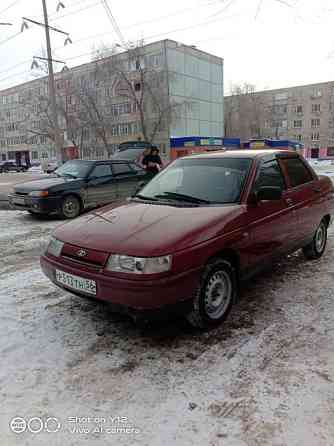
pixel 317 190
pixel 289 201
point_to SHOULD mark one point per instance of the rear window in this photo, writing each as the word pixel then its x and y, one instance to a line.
pixel 270 175
pixel 297 171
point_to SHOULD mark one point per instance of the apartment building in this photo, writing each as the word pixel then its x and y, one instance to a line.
pixel 96 113
pixel 303 114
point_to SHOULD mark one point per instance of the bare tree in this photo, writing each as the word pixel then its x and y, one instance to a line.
pixel 243 112
pixel 87 99
pixel 141 79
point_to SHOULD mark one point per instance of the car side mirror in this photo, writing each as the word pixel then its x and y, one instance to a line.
pixel 269 193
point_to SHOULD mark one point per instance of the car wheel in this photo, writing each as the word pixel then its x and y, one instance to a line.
pixel 70 207
pixel 215 295
pixel 316 248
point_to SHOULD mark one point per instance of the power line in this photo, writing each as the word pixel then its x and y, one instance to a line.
pixel 215 19
pixel 113 21
pixel 54 20
pixel 9 6
pixel 10 38
pixel 58 17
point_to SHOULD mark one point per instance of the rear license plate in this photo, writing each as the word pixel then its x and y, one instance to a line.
pixel 76 283
pixel 18 200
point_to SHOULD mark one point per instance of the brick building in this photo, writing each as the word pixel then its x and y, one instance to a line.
pixel 96 115
pixel 303 114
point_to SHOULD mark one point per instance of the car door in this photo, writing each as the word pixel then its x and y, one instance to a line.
pixel 127 178
pixel 305 196
pixel 270 224
pixel 101 187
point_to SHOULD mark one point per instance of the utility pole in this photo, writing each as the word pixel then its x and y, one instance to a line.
pixel 58 138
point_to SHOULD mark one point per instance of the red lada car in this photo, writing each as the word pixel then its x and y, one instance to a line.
pixel 193 233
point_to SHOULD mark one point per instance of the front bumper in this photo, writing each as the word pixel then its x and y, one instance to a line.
pixel 40 205
pixel 132 295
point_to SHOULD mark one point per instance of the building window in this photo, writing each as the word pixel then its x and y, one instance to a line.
pixel 317 94
pixel 297 123
pixel 298 109
pixel 315 136
pixel 316 108
pixel 34 155
pixel 315 122
pixel 121 109
pixel 85 133
pixel 330 151
pixel 137 86
pixel 124 129
pixel 281 96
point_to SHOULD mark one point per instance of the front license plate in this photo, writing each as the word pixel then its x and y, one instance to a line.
pixel 18 200
pixel 76 283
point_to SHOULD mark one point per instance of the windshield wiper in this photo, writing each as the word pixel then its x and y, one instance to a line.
pixel 182 197
pixel 143 197
pixel 69 175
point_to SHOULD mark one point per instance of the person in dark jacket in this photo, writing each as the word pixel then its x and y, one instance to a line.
pixel 152 162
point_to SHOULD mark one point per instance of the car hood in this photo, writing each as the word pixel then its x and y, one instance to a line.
pixel 141 229
pixel 41 184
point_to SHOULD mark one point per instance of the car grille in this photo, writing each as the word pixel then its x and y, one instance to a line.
pixel 83 256
pixel 22 193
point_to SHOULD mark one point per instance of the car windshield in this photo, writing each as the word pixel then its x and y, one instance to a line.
pixel 201 181
pixel 74 169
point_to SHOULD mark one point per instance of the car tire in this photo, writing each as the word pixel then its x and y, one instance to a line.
pixel 316 248
pixel 215 295
pixel 70 207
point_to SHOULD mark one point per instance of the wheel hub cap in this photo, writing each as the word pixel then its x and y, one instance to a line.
pixel 218 294
pixel 320 238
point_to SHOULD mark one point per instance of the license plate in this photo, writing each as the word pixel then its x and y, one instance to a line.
pixel 18 200
pixel 76 282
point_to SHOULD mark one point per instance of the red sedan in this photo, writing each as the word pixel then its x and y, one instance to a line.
pixel 193 233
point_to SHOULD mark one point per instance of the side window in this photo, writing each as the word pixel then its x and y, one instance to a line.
pixel 297 171
pixel 270 175
pixel 122 169
pixel 101 170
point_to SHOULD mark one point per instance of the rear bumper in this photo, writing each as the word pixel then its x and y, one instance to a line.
pixel 39 205
pixel 133 295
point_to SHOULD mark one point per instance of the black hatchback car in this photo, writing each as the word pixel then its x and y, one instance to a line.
pixel 78 185
pixel 10 166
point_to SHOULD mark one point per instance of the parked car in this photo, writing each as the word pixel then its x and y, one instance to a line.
pixel 78 185
pixel 10 166
pixel 192 234
pixel 35 168
pixel 51 167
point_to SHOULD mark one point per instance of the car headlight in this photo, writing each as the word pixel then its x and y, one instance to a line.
pixel 139 265
pixel 55 247
pixel 39 193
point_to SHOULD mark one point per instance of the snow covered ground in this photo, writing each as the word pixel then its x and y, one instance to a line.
pixel 266 377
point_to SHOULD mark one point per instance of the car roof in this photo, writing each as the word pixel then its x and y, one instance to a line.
pixel 252 153
pixel 103 161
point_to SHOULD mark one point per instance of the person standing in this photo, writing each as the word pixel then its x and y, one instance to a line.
pixel 152 162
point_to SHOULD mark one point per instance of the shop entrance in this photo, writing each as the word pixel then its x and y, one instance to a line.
pixel 23 158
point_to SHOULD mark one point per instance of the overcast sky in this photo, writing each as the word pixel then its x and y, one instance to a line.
pixel 266 43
